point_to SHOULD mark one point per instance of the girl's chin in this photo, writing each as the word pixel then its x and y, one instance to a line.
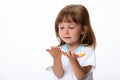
pixel 67 42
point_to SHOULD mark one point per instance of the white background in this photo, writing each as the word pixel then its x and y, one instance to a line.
pixel 27 30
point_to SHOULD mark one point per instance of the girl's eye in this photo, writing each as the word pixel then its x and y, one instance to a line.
pixel 61 27
pixel 71 27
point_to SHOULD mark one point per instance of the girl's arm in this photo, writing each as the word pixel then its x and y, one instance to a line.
pixel 80 72
pixel 57 68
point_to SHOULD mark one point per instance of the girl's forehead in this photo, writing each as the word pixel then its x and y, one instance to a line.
pixel 67 24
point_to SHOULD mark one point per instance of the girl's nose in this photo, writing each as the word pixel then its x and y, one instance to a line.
pixel 66 31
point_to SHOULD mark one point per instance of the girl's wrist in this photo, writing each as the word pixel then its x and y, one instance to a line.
pixel 73 60
pixel 57 59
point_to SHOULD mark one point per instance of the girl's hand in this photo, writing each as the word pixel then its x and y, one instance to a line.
pixel 71 56
pixel 55 52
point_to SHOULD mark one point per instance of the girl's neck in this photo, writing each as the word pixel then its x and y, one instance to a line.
pixel 72 47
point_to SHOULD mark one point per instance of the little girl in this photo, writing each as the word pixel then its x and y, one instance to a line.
pixel 74 57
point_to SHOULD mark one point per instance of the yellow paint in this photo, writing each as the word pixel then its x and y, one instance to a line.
pixel 81 54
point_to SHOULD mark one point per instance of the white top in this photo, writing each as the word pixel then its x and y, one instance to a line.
pixel 87 59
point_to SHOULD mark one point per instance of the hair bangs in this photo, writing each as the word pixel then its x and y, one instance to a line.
pixel 66 17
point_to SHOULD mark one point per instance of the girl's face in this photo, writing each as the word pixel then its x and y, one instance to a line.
pixel 69 32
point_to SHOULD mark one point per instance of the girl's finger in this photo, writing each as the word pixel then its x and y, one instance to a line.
pixel 64 53
pixel 48 50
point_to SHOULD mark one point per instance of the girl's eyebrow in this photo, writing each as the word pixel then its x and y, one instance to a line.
pixel 60 25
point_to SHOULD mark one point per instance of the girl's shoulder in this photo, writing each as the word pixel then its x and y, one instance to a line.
pixel 88 48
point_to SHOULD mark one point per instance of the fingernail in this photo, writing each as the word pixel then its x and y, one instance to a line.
pixel 48 50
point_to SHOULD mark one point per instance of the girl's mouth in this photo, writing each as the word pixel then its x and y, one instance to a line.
pixel 67 37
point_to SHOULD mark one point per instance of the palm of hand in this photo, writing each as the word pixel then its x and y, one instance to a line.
pixel 71 56
pixel 55 52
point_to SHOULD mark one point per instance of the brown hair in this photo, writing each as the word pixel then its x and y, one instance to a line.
pixel 79 15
